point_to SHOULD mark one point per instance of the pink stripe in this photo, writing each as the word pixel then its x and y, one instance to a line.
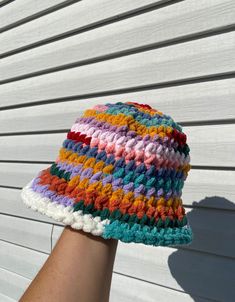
pixel 140 151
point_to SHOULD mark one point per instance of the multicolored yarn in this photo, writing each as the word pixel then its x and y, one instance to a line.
pixel 119 174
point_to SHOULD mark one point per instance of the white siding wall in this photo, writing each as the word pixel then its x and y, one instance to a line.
pixel 59 57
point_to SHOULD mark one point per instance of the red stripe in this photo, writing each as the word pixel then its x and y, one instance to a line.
pixel 77 136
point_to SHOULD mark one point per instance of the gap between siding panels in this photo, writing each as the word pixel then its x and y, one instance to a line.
pixel 5 2
pixel 183 124
pixel 221 168
pixel 26 247
pixel 37 15
pixel 25 217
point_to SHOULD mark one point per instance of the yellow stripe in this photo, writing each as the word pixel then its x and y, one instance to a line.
pixel 124 120
pixel 119 194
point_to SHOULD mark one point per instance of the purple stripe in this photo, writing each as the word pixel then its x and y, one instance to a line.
pixel 116 184
pixel 43 190
pixel 123 131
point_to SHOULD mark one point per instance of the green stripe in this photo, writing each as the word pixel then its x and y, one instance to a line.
pixel 130 219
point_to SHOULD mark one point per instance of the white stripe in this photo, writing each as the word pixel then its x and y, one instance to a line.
pixel 63 214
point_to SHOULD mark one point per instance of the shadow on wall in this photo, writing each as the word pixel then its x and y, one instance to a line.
pixel 209 262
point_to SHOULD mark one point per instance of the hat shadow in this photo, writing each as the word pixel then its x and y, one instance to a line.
pixel 205 269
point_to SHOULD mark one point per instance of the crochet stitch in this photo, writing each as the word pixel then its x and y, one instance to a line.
pixel 119 174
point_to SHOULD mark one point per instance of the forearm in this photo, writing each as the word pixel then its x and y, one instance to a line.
pixel 79 269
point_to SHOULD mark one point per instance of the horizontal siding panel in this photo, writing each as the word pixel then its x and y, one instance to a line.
pixel 200 58
pixel 12 285
pixel 16 175
pixel 12 204
pixel 155 27
pixel 25 232
pixel 74 17
pixel 210 189
pixel 125 289
pixel 42 147
pixel 185 103
pixel 20 10
pixel 212 145
pixel 203 188
pixel 180 269
pixel 21 260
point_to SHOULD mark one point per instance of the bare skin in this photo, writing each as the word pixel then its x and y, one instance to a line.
pixel 79 269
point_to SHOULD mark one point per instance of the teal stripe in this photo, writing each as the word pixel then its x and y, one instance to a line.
pixel 146 235
pixel 144 118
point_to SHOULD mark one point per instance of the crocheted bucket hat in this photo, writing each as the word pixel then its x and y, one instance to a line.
pixel 119 174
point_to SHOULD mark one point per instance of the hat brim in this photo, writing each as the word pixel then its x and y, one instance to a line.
pixel 105 228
